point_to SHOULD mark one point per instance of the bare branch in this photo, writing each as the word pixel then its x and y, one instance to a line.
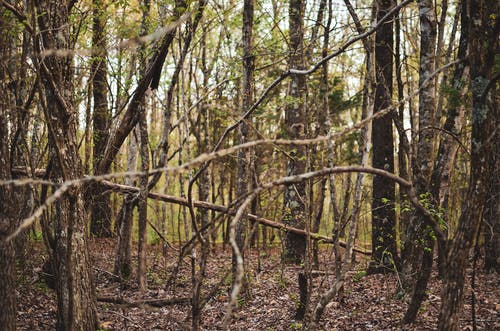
pixel 226 210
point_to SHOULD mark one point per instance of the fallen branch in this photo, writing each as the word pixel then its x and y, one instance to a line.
pixel 206 205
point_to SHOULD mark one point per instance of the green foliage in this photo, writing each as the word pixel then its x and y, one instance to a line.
pixel 42 286
pixel 453 94
pixel 282 281
pixel 241 301
pixel 36 235
pixel 294 298
pixel 358 276
pixel 437 212
pixel 337 100
pixel 154 278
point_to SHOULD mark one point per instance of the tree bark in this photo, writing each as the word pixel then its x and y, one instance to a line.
pixel 484 30
pixel 9 210
pixel 152 70
pixel 492 213
pixel 294 213
pixel 100 224
pixel 123 261
pixel 142 206
pixel 75 292
pixel 448 146
pixel 420 245
pixel 244 156
pixel 8 312
pixel 384 246
pixel 7 221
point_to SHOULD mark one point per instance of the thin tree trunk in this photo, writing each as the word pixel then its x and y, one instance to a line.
pixel 326 126
pixel 201 219
pixel 403 144
pixel 492 214
pixel 100 224
pixel 320 118
pixel 367 111
pixel 448 146
pixel 142 205
pixel 418 264
pixel 295 195
pixel 123 260
pixel 123 257
pixel 338 285
pixel 244 156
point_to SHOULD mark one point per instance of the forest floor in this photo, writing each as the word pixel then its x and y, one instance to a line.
pixel 370 302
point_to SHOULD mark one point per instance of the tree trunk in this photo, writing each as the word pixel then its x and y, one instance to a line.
pixel 7 278
pixel 244 155
pixel 123 261
pixel 142 206
pixel 9 210
pixel 76 305
pixel 7 225
pixel 149 79
pixel 384 247
pixel 100 224
pixel 448 146
pixel 365 135
pixel 419 245
pixel 295 195
pixel 484 30
pixel 123 257
pixel 75 292
pixel 492 213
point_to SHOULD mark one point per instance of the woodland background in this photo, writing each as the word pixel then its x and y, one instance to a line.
pixel 331 135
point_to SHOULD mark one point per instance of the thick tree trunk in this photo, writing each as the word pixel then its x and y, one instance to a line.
pixel 384 246
pixel 7 280
pixel 75 292
pixel 483 44
pixel 7 225
pixel 76 305
pixel 8 211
